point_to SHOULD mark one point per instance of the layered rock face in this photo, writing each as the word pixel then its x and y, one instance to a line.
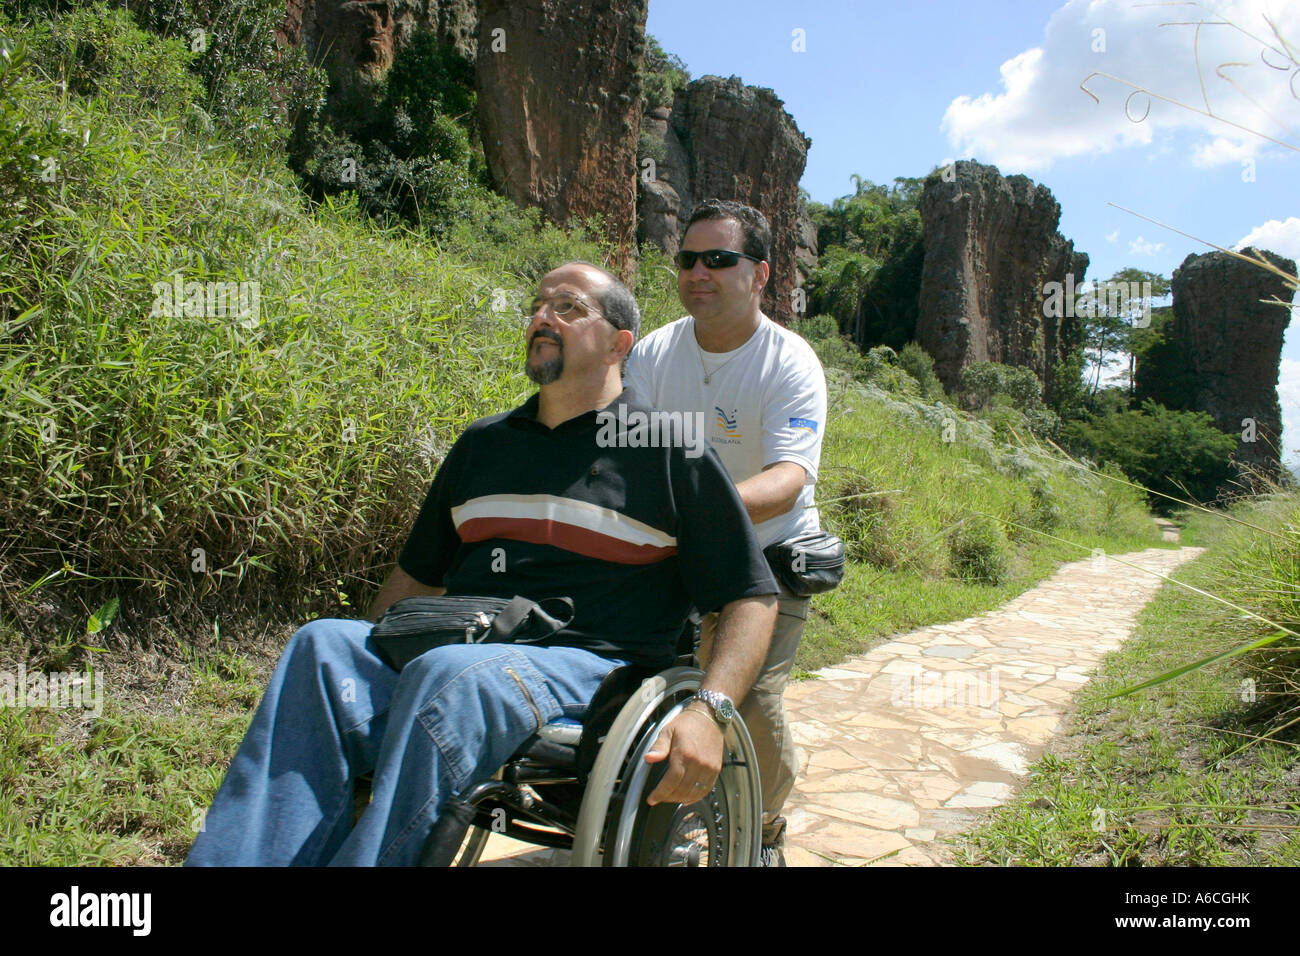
pixel 1230 344
pixel 559 102
pixel 725 140
pixel 356 41
pixel 991 245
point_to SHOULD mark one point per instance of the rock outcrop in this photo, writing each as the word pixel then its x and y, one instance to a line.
pixel 357 40
pixel 991 246
pixel 1229 344
pixel 560 112
pixel 725 140
pixel 559 102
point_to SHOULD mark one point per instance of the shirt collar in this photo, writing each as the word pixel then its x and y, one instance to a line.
pixel 528 412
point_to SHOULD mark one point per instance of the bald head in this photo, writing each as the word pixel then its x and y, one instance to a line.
pixel 610 295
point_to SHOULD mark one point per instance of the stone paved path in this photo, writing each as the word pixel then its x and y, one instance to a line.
pixel 914 739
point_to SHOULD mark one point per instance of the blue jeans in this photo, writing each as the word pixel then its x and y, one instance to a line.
pixel 334 711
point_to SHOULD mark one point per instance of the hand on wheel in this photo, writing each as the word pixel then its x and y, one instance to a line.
pixel 692 744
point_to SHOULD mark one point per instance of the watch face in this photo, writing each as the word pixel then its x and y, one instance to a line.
pixel 726 709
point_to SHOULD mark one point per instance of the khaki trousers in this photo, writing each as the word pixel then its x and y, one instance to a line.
pixel 763 709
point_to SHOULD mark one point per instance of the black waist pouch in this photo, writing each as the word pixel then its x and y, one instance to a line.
pixel 809 564
pixel 414 625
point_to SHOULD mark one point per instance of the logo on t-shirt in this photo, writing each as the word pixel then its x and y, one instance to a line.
pixel 730 424
pixel 807 424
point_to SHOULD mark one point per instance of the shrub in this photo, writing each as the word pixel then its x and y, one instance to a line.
pixel 99 51
pixel 917 362
pixel 662 75
pixel 833 350
pixel 1176 453
pixel 256 90
pixel 978 551
pixel 34 152
pixel 881 368
pixel 992 387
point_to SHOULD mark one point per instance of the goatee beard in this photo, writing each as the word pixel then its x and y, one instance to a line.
pixel 548 371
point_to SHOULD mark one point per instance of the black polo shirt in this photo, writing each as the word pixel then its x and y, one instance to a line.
pixel 634 536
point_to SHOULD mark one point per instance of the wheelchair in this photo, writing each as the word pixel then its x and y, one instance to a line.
pixel 581 785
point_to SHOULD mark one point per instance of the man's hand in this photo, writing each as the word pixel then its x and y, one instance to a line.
pixel 399 585
pixel 692 743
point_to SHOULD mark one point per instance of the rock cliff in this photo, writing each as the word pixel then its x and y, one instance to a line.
pixel 991 245
pixel 356 41
pixel 723 139
pixel 559 101
pixel 1229 344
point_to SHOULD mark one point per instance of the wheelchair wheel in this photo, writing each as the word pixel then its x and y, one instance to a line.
pixel 679 835
pixel 722 829
pixel 472 848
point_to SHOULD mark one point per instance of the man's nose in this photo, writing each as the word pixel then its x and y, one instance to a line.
pixel 542 319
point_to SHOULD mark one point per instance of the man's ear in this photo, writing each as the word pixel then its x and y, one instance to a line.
pixel 762 272
pixel 623 342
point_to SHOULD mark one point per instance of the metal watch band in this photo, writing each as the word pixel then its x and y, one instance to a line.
pixel 719 704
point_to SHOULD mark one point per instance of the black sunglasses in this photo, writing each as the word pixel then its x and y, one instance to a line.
pixel 713 258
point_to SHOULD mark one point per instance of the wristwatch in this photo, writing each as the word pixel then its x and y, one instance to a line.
pixel 720 704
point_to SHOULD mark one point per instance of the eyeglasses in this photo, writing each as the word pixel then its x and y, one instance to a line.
pixel 562 306
pixel 713 258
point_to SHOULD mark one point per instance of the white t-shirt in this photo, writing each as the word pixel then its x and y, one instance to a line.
pixel 765 402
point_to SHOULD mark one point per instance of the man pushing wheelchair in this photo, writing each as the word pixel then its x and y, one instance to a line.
pixel 537 503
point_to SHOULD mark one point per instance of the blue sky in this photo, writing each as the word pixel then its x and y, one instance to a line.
pixel 887 89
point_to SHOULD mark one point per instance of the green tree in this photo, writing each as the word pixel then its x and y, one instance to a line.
pixel 871 247
pixel 662 75
pixel 1173 452
pixel 1112 312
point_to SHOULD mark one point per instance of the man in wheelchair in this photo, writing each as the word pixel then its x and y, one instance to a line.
pixel 536 502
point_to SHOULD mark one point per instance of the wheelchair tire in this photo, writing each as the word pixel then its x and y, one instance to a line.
pixel 470 851
pixel 730 816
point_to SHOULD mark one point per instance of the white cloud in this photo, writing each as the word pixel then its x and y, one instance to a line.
pixel 1288 396
pixel 1041 114
pixel 1223 151
pixel 1113 237
pixel 1140 247
pixel 1276 235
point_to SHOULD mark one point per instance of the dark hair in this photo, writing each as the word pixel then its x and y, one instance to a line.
pixel 616 301
pixel 753 224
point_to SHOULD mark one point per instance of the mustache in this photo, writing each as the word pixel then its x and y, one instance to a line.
pixel 546 334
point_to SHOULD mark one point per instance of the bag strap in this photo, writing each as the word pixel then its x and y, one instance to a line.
pixel 521 614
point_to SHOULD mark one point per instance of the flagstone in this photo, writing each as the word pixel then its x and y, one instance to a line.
pixel 1010 756
pixel 837 673
pixel 870 778
pixel 856 780
pixel 833 758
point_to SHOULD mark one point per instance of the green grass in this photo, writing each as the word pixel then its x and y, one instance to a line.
pixel 128 788
pixel 1177 774
pixel 900 495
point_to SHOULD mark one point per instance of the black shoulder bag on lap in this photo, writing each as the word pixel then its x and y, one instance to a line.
pixel 809 564
pixel 414 625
